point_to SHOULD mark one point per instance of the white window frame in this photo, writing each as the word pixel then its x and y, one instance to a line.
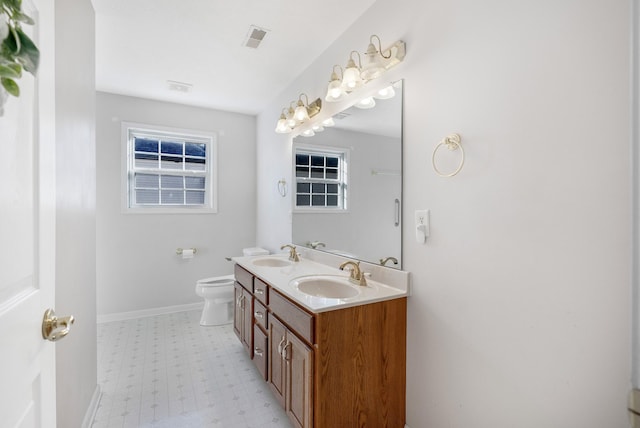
pixel 129 130
pixel 343 206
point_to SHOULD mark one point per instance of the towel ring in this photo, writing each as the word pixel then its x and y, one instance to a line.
pixel 453 143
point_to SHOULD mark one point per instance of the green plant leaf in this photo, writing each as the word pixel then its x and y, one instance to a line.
pixel 11 86
pixel 13 71
pixel 21 17
pixel 29 55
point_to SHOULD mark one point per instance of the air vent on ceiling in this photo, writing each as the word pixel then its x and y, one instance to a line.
pixel 179 86
pixel 254 37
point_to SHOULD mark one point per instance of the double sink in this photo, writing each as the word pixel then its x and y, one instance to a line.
pixel 323 285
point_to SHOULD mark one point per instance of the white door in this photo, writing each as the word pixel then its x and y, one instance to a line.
pixel 27 237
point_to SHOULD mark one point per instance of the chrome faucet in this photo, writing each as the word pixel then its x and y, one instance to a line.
pixel 356 276
pixel 293 254
pixel 392 259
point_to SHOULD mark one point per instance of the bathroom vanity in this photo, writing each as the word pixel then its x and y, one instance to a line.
pixel 329 361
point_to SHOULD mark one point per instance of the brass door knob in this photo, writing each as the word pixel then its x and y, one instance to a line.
pixel 55 328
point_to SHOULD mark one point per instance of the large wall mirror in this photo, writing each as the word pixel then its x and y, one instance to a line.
pixel 347 188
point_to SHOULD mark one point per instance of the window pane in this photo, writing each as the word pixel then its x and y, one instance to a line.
pixel 171 182
pixel 171 148
pixel 302 200
pixel 170 162
pixel 302 171
pixel 195 149
pixel 148 181
pixel 146 197
pixel 302 159
pixel 332 162
pixel 332 188
pixel 303 188
pixel 317 172
pixel 318 188
pixel 194 197
pixel 146 161
pixel 194 182
pixel 146 145
pixel 317 160
pixel 318 200
pixel 332 200
pixel 332 174
pixel 172 197
pixel 193 164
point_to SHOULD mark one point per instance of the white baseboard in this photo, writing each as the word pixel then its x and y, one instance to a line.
pixel 122 316
pixel 90 415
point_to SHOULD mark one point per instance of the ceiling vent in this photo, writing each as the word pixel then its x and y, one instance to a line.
pixel 341 115
pixel 254 37
pixel 179 86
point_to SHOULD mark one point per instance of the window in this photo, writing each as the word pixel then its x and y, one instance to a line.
pixel 321 179
pixel 169 170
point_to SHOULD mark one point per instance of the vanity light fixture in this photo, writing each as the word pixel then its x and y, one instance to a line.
pixel 385 93
pixel 282 127
pixel 366 103
pixel 291 120
pixel 328 122
pixel 301 114
pixel 374 66
pixel 334 90
pixel 351 79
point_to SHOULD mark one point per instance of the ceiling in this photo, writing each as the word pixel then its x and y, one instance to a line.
pixel 143 44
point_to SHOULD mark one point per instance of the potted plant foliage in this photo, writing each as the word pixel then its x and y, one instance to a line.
pixel 18 53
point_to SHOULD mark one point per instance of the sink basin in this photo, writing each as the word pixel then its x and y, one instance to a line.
pixel 334 287
pixel 271 262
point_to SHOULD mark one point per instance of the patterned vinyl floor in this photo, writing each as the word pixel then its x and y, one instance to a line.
pixel 168 371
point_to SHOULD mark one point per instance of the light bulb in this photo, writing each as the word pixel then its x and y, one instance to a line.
pixel 301 114
pixel 366 103
pixel 385 93
pixel 351 77
pixel 328 122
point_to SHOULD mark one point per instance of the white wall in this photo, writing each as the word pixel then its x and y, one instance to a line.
pixel 76 355
pixel 137 267
pixel 520 313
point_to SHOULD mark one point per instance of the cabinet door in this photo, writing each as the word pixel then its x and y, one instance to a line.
pixel 237 311
pixel 299 386
pixel 260 350
pixel 277 337
pixel 247 321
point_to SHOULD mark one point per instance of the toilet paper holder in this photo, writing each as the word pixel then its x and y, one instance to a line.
pixel 180 250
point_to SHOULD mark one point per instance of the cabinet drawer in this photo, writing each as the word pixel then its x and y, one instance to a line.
pixel 261 290
pixel 260 314
pixel 260 351
pixel 244 277
pixel 297 319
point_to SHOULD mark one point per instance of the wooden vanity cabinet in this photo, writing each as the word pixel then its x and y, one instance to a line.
pixel 291 373
pixel 339 368
pixel 243 317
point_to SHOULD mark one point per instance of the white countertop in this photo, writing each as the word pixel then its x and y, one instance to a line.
pixel 281 279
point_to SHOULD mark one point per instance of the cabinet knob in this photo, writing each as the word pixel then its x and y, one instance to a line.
pixel 259 352
pixel 259 291
pixel 280 345
pixel 284 351
pixel 258 314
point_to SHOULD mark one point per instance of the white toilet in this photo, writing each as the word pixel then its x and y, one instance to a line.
pixel 218 295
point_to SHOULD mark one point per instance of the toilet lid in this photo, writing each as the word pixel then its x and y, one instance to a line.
pixel 216 281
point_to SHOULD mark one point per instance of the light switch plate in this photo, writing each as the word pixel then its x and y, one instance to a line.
pixel 421 224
